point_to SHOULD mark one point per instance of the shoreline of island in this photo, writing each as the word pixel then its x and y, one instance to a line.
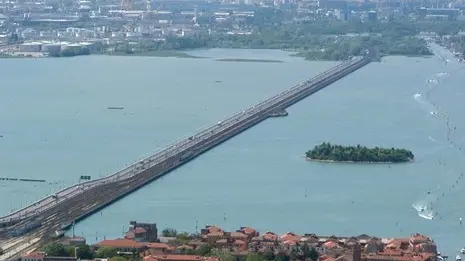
pixel 330 153
pixel 357 162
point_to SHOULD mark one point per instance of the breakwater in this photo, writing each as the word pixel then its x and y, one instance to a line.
pixel 23 179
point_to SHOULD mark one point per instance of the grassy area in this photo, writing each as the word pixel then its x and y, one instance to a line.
pixel 248 60
pixel 157 54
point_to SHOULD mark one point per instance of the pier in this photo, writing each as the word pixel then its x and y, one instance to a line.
pixel 75 203
pixel 23 179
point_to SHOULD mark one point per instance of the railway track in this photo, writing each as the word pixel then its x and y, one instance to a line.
pixel 65 210
pixel 59 215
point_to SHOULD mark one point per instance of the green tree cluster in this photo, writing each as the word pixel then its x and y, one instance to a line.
pixel 222 255
pixel 327 151
pixel 169 232
pixel 303 252
pixel 60 250
pixel 315 40
pixel 106 252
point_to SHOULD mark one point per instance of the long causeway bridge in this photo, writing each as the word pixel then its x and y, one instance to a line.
pixel 38 222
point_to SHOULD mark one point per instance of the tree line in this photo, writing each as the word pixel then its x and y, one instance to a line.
pixel 329 152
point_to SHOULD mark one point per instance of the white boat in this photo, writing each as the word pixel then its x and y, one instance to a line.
pixel 458 258
pixel 462 250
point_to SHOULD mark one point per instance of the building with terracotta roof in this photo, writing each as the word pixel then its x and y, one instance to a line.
pixel 36 256
pixel 143 232
pixel 245 240
pixel 179 258
pixel 159 248
pixel 60 258
pixel 290 236
pixel 250 232
pixel 270 236
pixel 400 257
pixel 123 245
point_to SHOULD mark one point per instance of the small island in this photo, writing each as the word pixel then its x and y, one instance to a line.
pixel 327 152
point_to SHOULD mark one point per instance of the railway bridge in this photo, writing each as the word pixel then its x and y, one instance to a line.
pixel 83 199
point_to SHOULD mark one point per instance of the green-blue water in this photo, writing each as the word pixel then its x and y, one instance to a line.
pixel 55 126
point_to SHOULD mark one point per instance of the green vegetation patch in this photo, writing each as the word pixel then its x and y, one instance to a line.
pixel 358 154
pixel 248 60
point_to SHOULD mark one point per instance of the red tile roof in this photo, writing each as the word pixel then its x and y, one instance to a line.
pixel 150 258
pixel 290 242
pixel 290 237
pixel 270 236
pixel 212 229
pixel 330 244
pixel 158 245
pixel 212 259
pixel 130 235
pixel 238 235
pixel 248 230
pixel 215 234
pixel 178 258
pixel 121 243
pixel 36 255
pixel 421 257
pixel 139 230
pixel 419 238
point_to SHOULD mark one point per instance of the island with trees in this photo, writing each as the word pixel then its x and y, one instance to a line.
pixel 327 152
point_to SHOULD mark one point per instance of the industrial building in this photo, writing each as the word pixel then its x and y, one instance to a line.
pixel 72 47
pixel 30 47
pixel 51 48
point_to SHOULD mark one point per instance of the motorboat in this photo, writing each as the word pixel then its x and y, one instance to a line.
pixel 462 250
pixel 458 258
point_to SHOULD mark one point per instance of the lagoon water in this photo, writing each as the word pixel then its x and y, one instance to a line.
pixel 56 126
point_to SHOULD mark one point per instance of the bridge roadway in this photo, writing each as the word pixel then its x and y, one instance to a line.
pixel 195 144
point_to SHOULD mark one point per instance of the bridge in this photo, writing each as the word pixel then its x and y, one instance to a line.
pixel 77 202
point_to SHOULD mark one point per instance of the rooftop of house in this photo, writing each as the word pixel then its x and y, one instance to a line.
pixel 121 243
pixel 248 230
pixel 139 230
pixel 35 255
pixel 414 248
pixel 158 245
pixel 403 257
pixel 178 258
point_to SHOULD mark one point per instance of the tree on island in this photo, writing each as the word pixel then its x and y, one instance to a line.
pixel 329 152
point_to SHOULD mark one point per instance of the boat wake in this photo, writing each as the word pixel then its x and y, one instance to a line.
pixel 426 214
pixel 433 81
pixel 433 140
pixel 420 206
pixel 423 210
pixel 442 74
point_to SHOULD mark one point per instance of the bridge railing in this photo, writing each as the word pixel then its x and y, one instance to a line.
pixel 200 136
pixel 227 121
